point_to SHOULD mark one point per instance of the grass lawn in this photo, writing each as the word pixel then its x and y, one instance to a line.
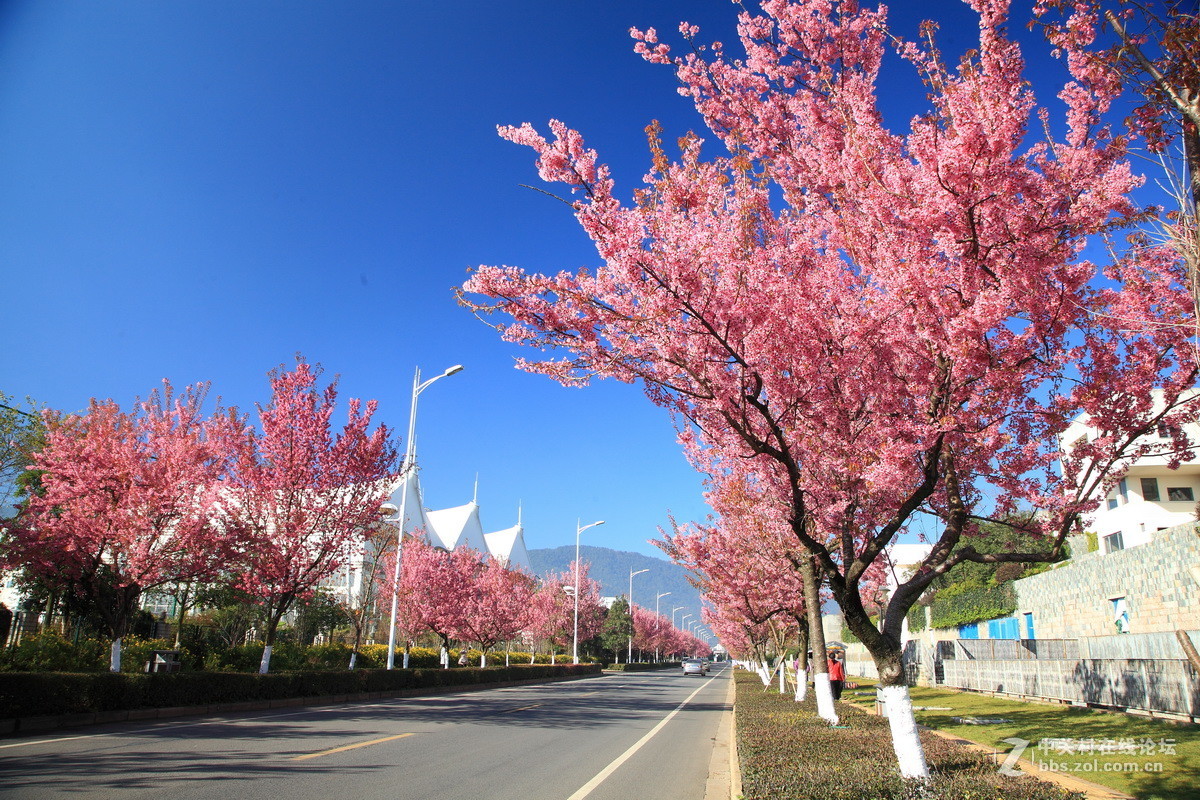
pixel 1149 759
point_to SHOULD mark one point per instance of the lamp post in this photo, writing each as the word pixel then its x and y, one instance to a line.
pixel 673 610
pixel 661 595
pixel 629 659
pixel 575 639
pixel 410 453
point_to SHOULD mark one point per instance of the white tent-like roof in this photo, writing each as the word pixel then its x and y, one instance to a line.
pixel 508 547
pixel 406 492
pixel 458 527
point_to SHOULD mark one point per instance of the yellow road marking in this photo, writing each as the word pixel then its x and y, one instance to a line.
pixel 351 746
pixel 522 708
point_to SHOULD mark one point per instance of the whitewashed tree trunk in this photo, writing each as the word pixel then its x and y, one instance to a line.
pixel 763 675
pixel 265 664
pixel 353 659
pixel 482 659
pixel 114 656
pixel 532 658
pixel 782 676
pixel 801 683
pixel 905 739
pixel 404 663
pixel 824 692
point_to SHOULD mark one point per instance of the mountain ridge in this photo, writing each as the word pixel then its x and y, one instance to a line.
pixel 611 569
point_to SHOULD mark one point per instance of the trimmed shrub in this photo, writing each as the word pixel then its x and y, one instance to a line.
pixel 787 751
pixel 43 693
pixel 641 667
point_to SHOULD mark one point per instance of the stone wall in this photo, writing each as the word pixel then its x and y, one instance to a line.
pixel 1159 581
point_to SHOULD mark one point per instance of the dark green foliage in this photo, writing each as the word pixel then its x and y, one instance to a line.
pixel 916 618
pixel 964 603
pixel 618 627
pixel 24 694
pixel 787 752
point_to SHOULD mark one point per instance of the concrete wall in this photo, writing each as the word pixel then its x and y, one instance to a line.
pixel 1160 581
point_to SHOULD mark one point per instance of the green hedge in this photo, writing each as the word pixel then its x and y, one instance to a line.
pixel 954 606
pixel 638 666
pixel 787 751
pixel 48 651
pixel 36 694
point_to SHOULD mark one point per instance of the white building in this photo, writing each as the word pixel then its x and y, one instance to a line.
pixel 1151 497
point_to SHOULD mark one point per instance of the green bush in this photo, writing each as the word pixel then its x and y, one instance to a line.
pixel 787 751
pixel 45 693
pixel 961 604
pixel 642 667
pixel 49 652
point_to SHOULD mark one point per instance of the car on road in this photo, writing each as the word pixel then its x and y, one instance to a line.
pixel 694 666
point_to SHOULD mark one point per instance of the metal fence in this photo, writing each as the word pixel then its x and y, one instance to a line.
pixel 1163 686
pixel 1009 649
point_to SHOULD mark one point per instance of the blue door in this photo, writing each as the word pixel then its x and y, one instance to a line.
pixel 1029 625
pixel 969 631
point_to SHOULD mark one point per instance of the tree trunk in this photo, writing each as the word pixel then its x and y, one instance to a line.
pixel 114 656
pixel 357 641
pixel 816 639
pixel 893 686
pixel 272 626
pixel 802 664
pixel 182 612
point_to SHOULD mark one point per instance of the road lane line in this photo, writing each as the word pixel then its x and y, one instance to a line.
pixel 601 776
pixel 522 708
pixel 351 747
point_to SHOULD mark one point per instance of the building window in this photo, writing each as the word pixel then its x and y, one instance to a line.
pixel 1114 542
pixel 1150 489
pixel 1180 493
pixel 1123 491
pixel 1120 611
pixel 1163 431
pixel 1112 503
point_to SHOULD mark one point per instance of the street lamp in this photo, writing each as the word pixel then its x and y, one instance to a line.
pixel 410 453
pixel 575 640
pixel 661 595
pixel 629 659
pixel 673 610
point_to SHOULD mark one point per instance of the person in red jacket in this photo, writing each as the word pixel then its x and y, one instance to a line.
pixel 837 675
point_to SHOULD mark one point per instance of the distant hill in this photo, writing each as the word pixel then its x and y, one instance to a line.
pixel 611 568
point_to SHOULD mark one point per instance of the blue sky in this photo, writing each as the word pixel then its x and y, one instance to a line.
pixel 199 190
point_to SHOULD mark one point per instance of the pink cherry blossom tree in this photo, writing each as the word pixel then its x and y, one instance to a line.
pixel 437 589
pixel 498 607
pixel 875 326
pixel 300 498
pixel 552 611
pixel 123 505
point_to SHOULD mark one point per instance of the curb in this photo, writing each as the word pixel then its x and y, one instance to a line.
pixel 22 726
pixel 724 776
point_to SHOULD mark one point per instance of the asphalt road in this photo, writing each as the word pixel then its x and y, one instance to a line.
pixel 613 737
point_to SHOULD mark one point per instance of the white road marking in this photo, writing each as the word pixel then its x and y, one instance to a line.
pixel 601 776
